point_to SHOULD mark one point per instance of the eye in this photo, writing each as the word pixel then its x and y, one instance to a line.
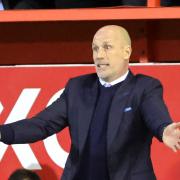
pixel 95 48
pixel 107 46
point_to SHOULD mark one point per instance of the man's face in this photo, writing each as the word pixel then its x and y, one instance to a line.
pixel 109 55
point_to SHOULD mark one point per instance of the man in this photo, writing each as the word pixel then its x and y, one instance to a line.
pixel 112 117
pixel 23 174
pixel 28 4
pixel 170 3
pixel 48 4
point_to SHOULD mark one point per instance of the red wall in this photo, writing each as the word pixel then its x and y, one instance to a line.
pixel 46 81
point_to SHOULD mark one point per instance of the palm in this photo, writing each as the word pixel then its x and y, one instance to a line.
pixel 171 136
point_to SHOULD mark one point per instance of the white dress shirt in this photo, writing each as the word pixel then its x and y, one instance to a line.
pixel 109 84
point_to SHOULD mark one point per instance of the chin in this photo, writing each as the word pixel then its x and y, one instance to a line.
pixel 102 76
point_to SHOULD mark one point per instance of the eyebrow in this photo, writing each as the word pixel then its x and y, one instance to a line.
pixel 105 42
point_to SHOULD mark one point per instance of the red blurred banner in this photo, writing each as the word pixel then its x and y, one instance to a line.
pixel 27 90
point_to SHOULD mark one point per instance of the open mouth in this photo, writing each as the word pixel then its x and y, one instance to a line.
pixel 102 65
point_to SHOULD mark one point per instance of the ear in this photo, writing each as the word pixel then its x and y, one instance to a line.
pixel 127 52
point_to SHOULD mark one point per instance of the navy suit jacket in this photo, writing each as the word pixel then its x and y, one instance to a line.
pixel 137 113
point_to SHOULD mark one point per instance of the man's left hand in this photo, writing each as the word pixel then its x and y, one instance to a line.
pixel 171 136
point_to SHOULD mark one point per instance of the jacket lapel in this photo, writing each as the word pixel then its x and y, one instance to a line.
pixel 117 109
pixel 89 103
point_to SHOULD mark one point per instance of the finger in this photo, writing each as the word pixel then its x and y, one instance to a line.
pixel 177 132
pixel 177 146
pixel 174 148
pixel 176 125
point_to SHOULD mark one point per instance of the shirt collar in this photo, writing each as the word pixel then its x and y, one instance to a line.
pixel 116 81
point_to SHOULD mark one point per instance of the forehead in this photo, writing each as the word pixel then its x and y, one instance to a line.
pixel 103 37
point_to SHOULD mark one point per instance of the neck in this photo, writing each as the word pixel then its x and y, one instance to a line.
pixel 116 80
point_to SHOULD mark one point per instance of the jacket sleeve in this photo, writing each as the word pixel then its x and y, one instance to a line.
pixel 49 121
pixel 153 108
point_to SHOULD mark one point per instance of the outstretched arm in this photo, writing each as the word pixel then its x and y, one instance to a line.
pixel 171 136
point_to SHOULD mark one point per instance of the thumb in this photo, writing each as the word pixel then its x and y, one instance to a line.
pixel 176 125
